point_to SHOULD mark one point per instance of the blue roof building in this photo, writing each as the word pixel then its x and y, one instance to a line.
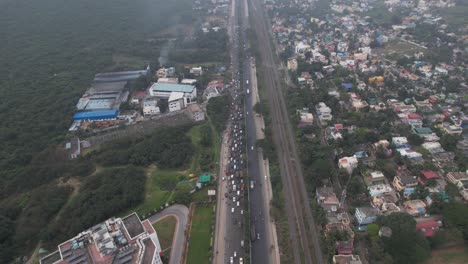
pixel 96 115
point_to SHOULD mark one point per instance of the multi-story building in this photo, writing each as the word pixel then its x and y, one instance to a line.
pixel 116 240
pixel 366 215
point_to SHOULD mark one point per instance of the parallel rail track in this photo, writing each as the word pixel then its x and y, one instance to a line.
pixel 303 234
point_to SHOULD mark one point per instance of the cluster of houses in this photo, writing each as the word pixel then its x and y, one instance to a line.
pixel 372 67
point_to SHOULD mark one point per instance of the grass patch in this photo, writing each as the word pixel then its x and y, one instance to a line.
pixel 453 255
pixel 160 185
pixel 205 139
pixel 200 248
pixel 165 229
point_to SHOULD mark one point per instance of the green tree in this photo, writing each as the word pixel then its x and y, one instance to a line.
pixel 406 245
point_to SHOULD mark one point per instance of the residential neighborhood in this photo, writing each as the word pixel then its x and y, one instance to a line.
pixel 391 108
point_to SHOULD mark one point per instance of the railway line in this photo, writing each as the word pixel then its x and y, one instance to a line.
pixel 303 234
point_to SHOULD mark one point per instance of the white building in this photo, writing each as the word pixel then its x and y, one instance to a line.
pixel 164 90
pixel 348 163
pixel 150 107
pixel 176 101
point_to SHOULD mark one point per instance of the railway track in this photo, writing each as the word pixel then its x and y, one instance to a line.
pixel 303 233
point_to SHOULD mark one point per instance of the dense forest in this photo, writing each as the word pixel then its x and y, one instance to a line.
pixel 102 195
pixel 49 54
pixel 168 147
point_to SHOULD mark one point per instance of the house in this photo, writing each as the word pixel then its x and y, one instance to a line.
pixel 415 207
pixel 327 199
pixel 400 142
pixel 455 177
pixel 427 175
pixel 150 107
pixel 366 215
pixel 348 163
pixel 195 112
pixel 379 190
pixel 344 247
pixel 429 227
pixel 305 117
pixel 375 177
pixel 433 147
pixel 402 182
pixel 116 240
pixel 346 259
pixel 197 71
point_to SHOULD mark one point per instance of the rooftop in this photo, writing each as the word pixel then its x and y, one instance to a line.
pixel 171 87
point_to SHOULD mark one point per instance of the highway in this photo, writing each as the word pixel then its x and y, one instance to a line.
pixel 180 212
pixel 229 230
pixel 304 237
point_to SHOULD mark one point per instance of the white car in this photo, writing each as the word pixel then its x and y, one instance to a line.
pixel 232 260
pixel 242 212
pixel 232 210
pixel 235 254
pixel 238 204
pixel 251 148
pixel 241 261
pixel 234 199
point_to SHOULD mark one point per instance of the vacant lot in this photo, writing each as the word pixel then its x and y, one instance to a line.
pixel 165 229
pixel 200 248
pixel 398 48
pixel 453 255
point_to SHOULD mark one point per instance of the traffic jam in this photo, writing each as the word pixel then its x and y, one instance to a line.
pixel 235 163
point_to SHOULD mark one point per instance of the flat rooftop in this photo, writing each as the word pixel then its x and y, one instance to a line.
pixel 172 87
pixel 133 225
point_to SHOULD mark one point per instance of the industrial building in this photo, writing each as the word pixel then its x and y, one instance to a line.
pixel 103 95
pixel 96 115
pixel 164 90
pixel 121 76
pixel 117 240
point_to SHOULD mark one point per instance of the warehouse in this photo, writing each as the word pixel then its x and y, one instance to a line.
pixel 96 115
pixel 121 76
pixel 164 90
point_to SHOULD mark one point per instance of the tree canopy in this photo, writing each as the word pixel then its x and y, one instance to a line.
pixel 406 245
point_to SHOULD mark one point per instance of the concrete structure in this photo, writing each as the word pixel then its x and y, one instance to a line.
pixel 348 163
pixel 346 259
pixel 366 215
pixel 428 175
pixel 164 90
pixel 195 112
pixel 402 182
pixel 73 148
pixel 375 178
pixel 117 240
pixel 415 207
pixel 150 107
pixel 176 101
pixel 326 198
pixel 168 80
